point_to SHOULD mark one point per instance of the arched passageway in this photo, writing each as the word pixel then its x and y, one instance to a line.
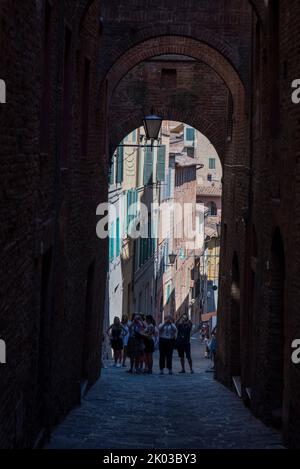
pixel 81 76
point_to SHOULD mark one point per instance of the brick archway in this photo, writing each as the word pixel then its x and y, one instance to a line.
pixel 199 51
pixel 177 45
pixel 132 38
pixel 206 126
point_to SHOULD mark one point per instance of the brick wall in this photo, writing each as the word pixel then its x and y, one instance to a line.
pixel 189 100
pixel 54 172
pixel 48 216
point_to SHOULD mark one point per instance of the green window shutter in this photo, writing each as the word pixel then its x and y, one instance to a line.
pixel 212 163
pixel 120 158
pixel 112 171
pixel 136 201
pixel 140 244
pixel 148 166
pixel 168 293
pixel 111 243
pixel 161 163
pixel 118 244
pixel 146 252
pixel 143 245
pixel 190 134
pixel 128 206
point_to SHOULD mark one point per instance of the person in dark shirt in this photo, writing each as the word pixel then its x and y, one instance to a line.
pixel 183 341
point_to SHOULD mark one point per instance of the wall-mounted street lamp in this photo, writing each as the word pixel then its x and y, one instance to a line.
pixel 152 125
pixel 172 258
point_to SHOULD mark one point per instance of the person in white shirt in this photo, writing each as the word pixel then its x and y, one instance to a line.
pixel 167 335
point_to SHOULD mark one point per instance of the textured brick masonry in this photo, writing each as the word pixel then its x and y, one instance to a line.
pixel 72 92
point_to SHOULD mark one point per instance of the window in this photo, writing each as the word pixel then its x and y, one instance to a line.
pixel 168 78
pixel 143 250
pixel 168 293
pixel 120 157
pixel 118 238
pixel 148 166
pixel 190 152
pixel 189 134
pixel 209 177
pixel 149 240
pixel 212 163
pixel 112 171
pixel 132 206
pixel 112 243
pixel 213 211
pixel 161 163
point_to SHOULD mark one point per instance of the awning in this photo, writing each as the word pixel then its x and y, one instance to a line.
pixel 206 317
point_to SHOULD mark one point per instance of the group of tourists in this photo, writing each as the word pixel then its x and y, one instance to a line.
pixel 138 338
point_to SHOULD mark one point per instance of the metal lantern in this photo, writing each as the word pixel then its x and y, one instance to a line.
pixel 172 258
pixel 152 125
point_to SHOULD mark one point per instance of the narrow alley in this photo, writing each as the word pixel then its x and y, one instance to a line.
pixel 149 189
pixel 153 411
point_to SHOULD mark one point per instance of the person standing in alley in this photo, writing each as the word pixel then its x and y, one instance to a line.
pixel 116 333
pixel 125 338
pixel 167 335
pixel 213 346
pixel 135 347
pixel 149 335
pixel 183 341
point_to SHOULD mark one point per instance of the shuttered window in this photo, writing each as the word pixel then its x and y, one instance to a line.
pixel 118 239
pixel 112 242
pixel 161 163
pixel 190 134
pixel 212 163
pixel 132 199
pixel 120 157
pixel 112 171
pixel 148 166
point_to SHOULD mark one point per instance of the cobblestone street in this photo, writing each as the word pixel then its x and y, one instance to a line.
pixel 153 411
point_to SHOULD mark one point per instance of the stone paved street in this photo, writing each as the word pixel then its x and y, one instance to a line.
pixel 179 411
